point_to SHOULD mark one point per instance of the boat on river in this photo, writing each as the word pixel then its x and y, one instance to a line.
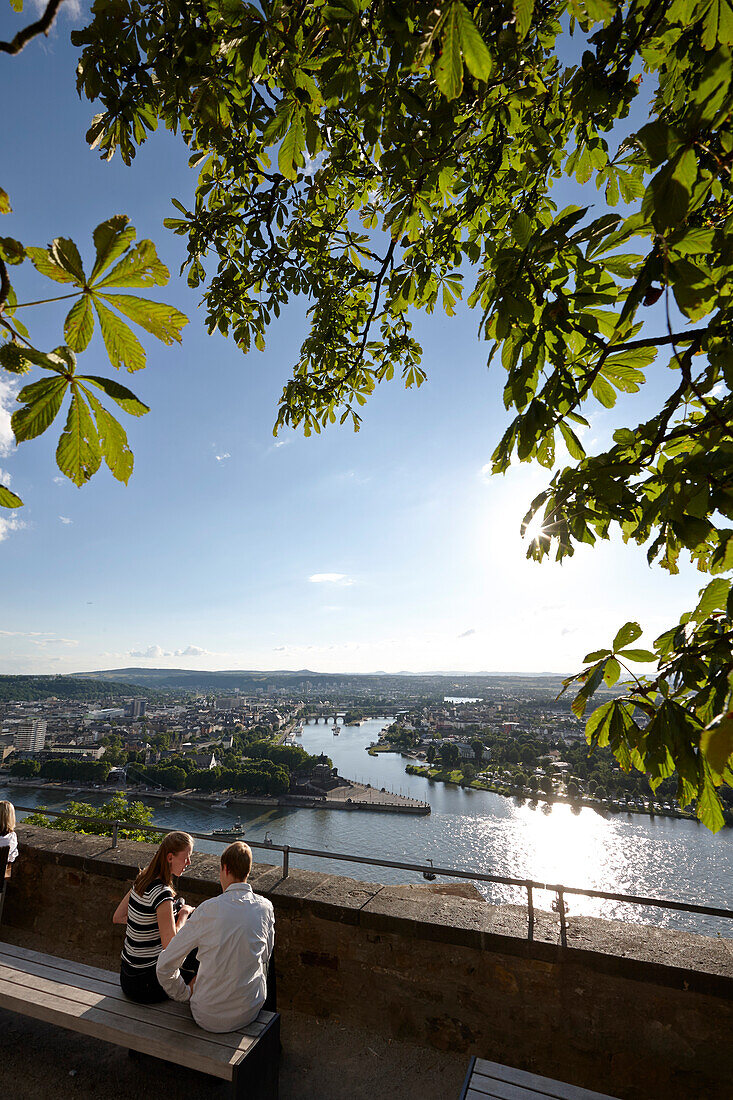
pixel 234 832
pixel 336 731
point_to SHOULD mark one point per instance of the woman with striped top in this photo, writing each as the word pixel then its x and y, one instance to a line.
pixel 153 914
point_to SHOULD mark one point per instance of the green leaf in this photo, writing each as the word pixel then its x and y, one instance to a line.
pixel 641 655
pixel 716 743
pixel 709 810
pixel 448 69
pixel 79 324
pixel 112 440
pixel 5 207
pixel 65 253
pixel 140 267
pixel 123 347
pixel 712 598
pixel 573 444
pixel 111 239
pixel 279 123
pixel 290 154
pixel 9 499
pixel 629 632
pixel 42 261
pixel 125 398
pixel 667 198
pixel 523 10
pixel 475 54
pixel 42 402
pixel 157 318
pixel 611 724
pixel 593 681
pixel 522 229
pixel 78 454
pixel 612 672
pixel 12 251
pixel 597 655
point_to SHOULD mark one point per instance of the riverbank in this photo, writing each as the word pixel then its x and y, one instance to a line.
pixel 356 797
pixel 603 807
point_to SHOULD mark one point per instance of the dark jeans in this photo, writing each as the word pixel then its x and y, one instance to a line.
pixel 142 985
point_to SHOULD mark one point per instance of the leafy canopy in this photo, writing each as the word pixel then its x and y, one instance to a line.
pixel 378 158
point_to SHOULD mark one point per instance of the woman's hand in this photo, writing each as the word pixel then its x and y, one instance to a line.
pixel 183 914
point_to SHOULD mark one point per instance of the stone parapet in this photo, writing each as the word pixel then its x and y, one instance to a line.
pixel 634 1011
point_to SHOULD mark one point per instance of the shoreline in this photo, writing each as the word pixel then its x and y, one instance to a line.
pixel 604 809
pixel 360 798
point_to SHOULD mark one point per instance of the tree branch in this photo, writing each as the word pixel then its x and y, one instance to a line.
pixel 41 26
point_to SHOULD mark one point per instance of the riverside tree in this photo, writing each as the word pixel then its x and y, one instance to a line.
pixel 379 158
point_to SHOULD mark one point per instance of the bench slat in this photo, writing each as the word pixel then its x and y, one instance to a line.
pixel 116 1003
pixel 56 961
pixel 148 1038
pixel 107 981
pixel 487 1074
pixel 490 1088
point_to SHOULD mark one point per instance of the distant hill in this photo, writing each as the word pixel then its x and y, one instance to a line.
pixel 381 683
pixel 28 689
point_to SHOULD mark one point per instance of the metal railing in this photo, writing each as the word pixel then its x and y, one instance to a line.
pixel 427 870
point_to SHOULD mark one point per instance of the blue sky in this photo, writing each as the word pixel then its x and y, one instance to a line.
pixel 390 549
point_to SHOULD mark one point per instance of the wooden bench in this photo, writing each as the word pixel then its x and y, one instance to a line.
pixel 86 999
pixel 491 1081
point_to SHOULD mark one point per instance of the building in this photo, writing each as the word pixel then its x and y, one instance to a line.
pixel 135 708
pixel 30 735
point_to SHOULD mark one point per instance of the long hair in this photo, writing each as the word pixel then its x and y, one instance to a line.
pixel 7 817
pixel 159 867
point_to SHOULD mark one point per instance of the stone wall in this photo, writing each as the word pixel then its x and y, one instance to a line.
pixel 637 1012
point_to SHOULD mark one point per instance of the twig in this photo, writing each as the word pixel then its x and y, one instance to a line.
pixel 375 303
pixel 41 26
pixel 4 284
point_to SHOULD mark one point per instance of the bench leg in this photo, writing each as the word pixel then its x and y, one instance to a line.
pixel 257 1077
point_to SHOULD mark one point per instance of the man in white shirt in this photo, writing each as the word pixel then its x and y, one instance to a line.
pixel 234 936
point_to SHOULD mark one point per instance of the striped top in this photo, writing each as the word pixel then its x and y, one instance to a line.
pixel 142 940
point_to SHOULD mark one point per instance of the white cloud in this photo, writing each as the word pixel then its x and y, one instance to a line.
pixel 65 519
pixel 7 526
pixel 59 480
pixel 5 477
pixel 485 472
pixel 71 642
pixel 340 579
pixel 222 457
pixel 158 651
pixel 280 443
pixel 151 651
pixel 24 633
pixel 8 391
pixel 70 8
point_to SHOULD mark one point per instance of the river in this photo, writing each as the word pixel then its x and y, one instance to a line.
pixel 480 831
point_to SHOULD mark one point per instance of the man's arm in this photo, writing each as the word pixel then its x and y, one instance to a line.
pixel 168 967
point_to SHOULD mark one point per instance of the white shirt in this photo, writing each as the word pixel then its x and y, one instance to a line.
pixel 10 840
pixel 234 935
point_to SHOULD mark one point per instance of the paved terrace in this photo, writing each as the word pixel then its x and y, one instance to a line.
pixel 386 990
